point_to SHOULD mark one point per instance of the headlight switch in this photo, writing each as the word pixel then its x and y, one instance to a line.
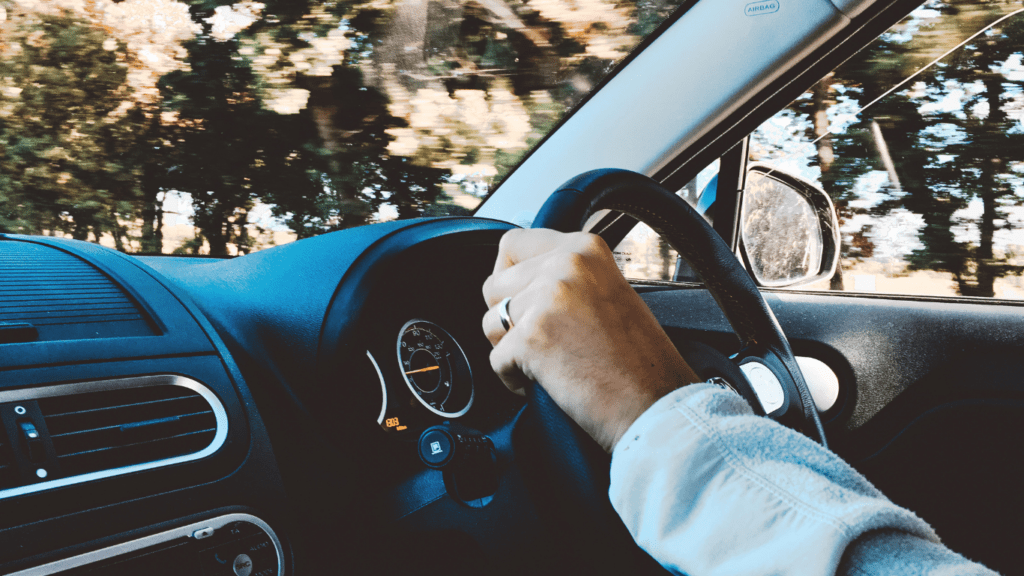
pixel 467 458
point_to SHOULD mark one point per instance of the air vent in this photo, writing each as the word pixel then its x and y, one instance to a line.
pixel 118 428
pixel 92 430
pixel 63 296
pixel 8 468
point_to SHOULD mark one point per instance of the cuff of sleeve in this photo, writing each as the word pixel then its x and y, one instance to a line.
pixel 707 487
pixel 880 551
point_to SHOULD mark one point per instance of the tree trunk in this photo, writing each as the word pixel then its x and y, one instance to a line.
pixel 79 226
pixel 214 228
pixel 242 241
pixel 990 190
pixel 822 95
pixel 152 241
pixel 118 231
pixel 668 260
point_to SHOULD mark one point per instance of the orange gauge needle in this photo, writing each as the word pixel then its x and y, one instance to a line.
pixel 427 369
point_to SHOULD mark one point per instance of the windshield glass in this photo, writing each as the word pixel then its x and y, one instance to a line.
pixel 205 127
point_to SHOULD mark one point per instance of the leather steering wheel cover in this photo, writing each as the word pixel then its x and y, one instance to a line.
pixel 569 207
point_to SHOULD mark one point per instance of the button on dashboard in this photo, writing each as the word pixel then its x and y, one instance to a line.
pixel 242 565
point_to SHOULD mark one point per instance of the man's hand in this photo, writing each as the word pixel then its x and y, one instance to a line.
pixel 579 330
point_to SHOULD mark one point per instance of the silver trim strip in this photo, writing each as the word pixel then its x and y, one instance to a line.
pixel 121 383
pixel 145 542
pixel 383 389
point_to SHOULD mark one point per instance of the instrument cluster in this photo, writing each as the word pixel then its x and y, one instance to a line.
pixel 436 379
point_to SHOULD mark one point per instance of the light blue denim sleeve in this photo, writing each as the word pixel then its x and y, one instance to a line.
pixel 708 488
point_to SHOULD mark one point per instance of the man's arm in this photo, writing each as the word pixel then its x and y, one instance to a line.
pixel 703 484
pixel 707 487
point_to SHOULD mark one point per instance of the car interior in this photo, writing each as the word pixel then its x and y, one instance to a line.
pixel 296 410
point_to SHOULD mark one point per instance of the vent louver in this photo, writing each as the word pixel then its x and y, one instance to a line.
pixel 117 428
pixel 8 473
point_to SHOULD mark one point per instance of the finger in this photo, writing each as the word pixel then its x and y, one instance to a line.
pixel 512 281
pixel 493 328
pixel 519 245
pixel 504 364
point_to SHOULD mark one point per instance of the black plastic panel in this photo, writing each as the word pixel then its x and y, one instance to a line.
pixel 172 329
pixel 878 347
pixel 931 400
pixel 958 467
pixel 177 340
pixel 63 296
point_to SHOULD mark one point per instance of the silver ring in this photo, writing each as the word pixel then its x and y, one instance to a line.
pixel 506 320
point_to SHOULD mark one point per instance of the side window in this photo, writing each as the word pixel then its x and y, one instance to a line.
pixel 919 140
pixel 644 255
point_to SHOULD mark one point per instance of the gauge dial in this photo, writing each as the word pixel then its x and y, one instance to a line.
pixel 435 368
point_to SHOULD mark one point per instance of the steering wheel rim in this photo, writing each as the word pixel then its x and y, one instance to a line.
pixel 577 470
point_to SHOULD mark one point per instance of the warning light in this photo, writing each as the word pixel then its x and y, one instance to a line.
pixel 401 428
pixel 392 422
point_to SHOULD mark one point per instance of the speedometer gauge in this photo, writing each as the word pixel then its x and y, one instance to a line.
pixel 435 368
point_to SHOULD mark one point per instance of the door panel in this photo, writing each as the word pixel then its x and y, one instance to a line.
pixel 931 405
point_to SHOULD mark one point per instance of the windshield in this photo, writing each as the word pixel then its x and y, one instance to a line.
pixel 205 127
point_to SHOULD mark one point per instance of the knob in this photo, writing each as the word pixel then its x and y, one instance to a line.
pixel 442 445
pixel 33 442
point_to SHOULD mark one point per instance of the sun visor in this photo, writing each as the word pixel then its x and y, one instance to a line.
pixel 852 8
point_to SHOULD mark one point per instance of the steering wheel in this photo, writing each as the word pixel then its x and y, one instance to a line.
pixel 576 469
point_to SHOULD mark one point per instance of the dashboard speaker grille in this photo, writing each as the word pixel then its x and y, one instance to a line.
pixel 115 428
pixel 63 296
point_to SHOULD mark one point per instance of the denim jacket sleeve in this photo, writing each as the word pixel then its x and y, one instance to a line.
pixel 706 487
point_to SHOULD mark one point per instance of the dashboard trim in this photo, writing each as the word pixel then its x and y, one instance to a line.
pixel 152 540
pixel 51 391
pixel 383 389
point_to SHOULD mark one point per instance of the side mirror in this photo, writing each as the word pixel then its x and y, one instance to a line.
pixel 789 231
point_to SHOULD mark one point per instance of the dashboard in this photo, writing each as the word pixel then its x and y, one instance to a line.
pixel 275 414
pixel 206 416
pixel 123 418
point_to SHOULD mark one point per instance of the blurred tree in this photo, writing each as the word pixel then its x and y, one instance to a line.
pixel 269 105
pixel 221 138
pixel 941 158
pixel 975 147
pixel 68 130
pixel 324 168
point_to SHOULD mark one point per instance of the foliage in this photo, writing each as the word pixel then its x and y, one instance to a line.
pixel 69 130
pixel 308 108
pixel 948 140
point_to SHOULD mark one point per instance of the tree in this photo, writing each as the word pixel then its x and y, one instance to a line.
pixel 982 145
pixel 940 160
pixel 324 168
pixel 68 129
